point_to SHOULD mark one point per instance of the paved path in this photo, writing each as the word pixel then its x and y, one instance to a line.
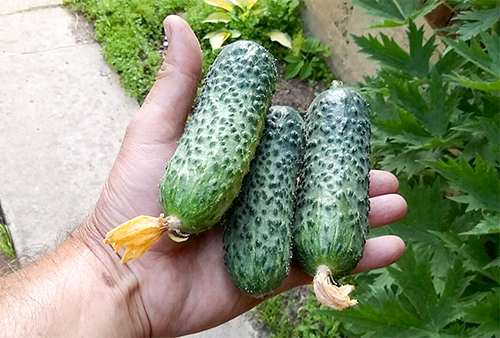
pixel 63 114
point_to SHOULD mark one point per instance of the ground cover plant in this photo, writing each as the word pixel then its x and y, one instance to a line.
pixel 436 124
pixel 131 34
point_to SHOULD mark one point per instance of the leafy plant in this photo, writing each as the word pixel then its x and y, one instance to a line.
pixel 294 314
pixel 306 59
pixel 437 125
pixel 396 12
pixel 130 33
pixel 6 242
pixel 238 11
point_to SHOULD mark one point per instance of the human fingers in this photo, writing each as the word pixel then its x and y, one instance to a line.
pixel 162 117
pixel 386 209
pixel 380 252
pixel 382 182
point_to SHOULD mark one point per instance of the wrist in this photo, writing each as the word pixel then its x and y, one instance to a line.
pixel 113 286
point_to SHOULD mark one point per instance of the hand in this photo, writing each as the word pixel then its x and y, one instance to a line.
pixel 184 287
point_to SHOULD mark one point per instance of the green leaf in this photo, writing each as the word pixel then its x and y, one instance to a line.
pixel 487 59
pixel 411 306
pixel 428 210
pixel 218 17
pixel 410 162
pixel 292 58
pixel 305 71
pixel 480 185
pixel 311 45
pixel 293 69
pixel 431 105
pixel 489 225
pixel 396 12
pixel 485 313
pixel 493 86
pixel 491 128
pixel 389 54
pixel 6 242
pixel 472 251
pixel 474 22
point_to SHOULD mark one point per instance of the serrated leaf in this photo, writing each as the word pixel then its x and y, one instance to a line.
pixel 218 38
pixel 490 224
pixel 218 17
pixel 281 38
pixel 494 263
pixel 224 4
pixel 474 22
pixel 410 307
pixel 487 59
pixel 431 105
pixel 493 86
pixel 396 12
pixel 390 54
pixel 472 251
pixel 447 310
pixel 485 313
pixel 410 162
pixel 491 128
pixel 480 185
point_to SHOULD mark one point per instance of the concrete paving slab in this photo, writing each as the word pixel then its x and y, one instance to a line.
pixel 12 6
pixel 63 118
pixel 239 327
pixel 35 31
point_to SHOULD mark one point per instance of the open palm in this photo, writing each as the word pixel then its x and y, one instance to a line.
pixel 184 287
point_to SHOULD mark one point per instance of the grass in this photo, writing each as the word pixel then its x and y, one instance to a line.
pixel 295 314
pixel 131 35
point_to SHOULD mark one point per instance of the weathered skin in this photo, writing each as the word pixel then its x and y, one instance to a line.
pixel 257 237
pixel 205 173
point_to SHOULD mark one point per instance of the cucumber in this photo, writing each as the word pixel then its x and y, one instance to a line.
pixel 214 153
pixel 331 219
pixel 257 236
pixel 205 173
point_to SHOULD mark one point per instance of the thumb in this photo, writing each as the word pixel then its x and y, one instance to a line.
pixel 162 117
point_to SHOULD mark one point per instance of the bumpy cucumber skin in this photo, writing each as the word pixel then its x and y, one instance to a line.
pixel 214 153
pixel 257 237
pixel 331 219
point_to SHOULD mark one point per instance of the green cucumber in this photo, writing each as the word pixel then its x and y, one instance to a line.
pixel 213 155
pixel 331 219
pixel 257 237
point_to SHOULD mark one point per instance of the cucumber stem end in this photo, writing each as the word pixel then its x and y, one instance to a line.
pixel 329 293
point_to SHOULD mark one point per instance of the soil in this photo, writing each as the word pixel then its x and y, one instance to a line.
pixel 296 94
